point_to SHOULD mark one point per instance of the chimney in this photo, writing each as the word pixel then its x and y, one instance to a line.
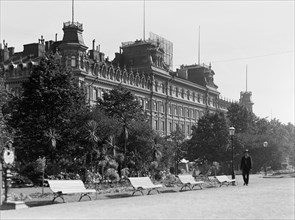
pixel 93 44
pixel 5 52
pixel 11 51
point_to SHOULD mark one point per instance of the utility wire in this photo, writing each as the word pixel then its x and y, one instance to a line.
pixel 253 57
pixel 244 58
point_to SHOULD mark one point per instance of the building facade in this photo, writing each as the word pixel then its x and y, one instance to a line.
pixel 246 100
pixel 170 98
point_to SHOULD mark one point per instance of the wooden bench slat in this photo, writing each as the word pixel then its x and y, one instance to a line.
pixel 188 180
pixel 141 183
pixel 223 179
pixel 63 187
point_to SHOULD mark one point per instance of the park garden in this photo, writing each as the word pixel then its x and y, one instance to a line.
pixel 56 134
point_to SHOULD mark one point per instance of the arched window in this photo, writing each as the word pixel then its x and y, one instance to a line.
pixel 124 78
pixel 156 86
pixel 111 71
pixel 20 69
pixel 131 78
pixel 143 81
pixel 163 88
pixel 103 72
pixel 30 68
pixel 137 80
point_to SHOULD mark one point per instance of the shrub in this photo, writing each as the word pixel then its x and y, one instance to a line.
pixel 113 164
pixel 112 175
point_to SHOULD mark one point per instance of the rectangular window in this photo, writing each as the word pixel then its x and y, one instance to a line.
pixel 155 106
pixel 94 94
pixel 170 127
pixel 163 126
pixel 73 61
pixel 156 125
pixel 180 111
pixel 147 105
pixel 88 92
pixel 161 107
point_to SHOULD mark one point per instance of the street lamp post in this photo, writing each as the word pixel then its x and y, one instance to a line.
pixel 265 146
pixel 232 133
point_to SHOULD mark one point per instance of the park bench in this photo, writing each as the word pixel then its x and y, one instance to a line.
pixel 65 187
pixel 225 180
pixel 189 181
pixel 141 183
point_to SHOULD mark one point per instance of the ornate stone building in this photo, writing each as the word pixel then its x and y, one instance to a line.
pixel 169 97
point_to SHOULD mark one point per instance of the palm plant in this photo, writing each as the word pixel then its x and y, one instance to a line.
pixel 52 136
pixel 91 130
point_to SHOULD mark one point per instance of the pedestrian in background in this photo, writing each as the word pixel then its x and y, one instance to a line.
pixel 246 166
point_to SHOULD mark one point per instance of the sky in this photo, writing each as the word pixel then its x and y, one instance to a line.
pixel 236 37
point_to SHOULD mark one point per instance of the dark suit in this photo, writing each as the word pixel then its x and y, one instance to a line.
pixel 246 166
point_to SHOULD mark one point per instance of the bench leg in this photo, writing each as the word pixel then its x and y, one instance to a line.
pixel 137 190
pixel 186 185
pixel 84 194
pixel 153 189
pixel 200 185
pixel 58 195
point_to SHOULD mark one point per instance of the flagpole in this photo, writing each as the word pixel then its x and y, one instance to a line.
pixel 143 20
pixel 72 11
pixel 199 46
pixel 246 77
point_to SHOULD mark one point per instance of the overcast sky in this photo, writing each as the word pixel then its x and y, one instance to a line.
pixel 259 34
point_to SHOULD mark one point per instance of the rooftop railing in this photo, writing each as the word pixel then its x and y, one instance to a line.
pixel 73 24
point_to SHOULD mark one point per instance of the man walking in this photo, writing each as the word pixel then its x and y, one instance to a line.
pixel 246 166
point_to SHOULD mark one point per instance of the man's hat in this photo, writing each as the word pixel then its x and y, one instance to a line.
pixel 246 151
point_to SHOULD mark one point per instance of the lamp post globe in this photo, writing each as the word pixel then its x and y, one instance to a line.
pixel 232 133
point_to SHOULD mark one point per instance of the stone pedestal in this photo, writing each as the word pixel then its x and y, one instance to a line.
pixel 13 205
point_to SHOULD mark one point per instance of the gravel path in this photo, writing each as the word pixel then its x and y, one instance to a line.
pixel 264 198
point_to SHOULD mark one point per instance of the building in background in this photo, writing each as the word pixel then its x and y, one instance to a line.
pixel 246 100
pixel 143 66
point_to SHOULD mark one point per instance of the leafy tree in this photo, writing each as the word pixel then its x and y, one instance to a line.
pixel 6 132
pixel 91 127
pixel 210 139
pixel 121 104
pixel 140 148
pixel 49 113
pixel 280 140
pixel 239 117
pixel 177 139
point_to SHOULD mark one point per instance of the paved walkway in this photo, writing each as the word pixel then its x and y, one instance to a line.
pixel 264 198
